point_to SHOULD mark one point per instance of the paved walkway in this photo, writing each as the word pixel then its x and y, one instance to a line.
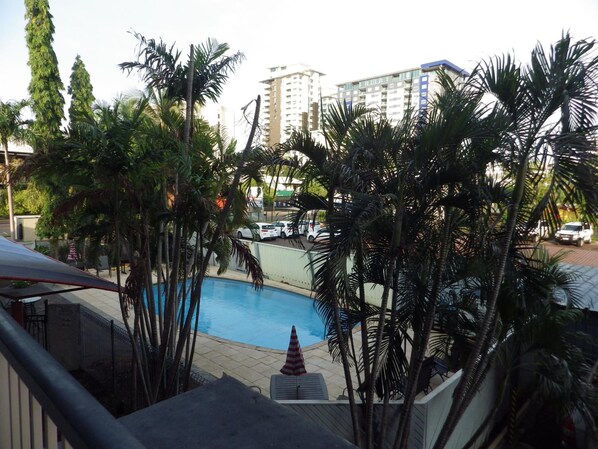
pixel 251 365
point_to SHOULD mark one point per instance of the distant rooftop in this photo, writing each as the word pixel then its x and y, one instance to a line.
pixel 287 70
pixel 429 66
pixel 445 63
pixel 19 149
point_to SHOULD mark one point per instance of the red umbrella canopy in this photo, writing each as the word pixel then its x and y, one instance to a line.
pixel 295 365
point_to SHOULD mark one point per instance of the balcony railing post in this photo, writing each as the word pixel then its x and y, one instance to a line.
pixel 4 403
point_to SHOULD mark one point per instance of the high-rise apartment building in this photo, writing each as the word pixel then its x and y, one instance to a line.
pixel 394 93
pixel 291 102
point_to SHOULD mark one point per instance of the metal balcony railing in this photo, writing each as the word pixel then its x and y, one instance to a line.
pixel 43 407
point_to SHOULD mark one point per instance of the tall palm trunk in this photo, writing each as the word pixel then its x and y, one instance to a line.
pixel 477 362
pixel 196 297
pixel 343 344
pixel 421 341
pixel 11 213
pixel 388 280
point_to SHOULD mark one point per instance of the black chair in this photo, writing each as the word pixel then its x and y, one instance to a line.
pixel 440 368
pixel 423 381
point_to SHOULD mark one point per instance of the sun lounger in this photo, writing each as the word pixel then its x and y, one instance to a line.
pixel 305 386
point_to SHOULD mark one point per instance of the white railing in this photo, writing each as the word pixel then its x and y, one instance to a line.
pixel 43 407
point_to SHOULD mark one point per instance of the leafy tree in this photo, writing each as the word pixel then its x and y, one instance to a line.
pixel 12 128
pixel 81 91
pixel 45 87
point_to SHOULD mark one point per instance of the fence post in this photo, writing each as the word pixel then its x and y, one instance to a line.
pixel 112 357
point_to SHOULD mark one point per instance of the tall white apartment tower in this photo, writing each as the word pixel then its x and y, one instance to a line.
pixel 291 102
pixel 395 93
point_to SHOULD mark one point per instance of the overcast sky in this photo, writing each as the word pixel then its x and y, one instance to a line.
pixel 345 40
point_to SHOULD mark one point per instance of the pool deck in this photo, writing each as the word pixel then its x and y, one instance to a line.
pixel 251 365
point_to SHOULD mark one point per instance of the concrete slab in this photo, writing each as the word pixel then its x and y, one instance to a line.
pixel 226 414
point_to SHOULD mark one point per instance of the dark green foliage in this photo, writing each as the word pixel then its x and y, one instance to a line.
pixel 81 92
pixel 162 68
pixel 430 211
pixel 45 86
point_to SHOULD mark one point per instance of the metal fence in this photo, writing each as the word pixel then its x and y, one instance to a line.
pixel 106 356
pixel 105 359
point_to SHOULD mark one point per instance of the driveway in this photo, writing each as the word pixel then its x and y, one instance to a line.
pixel 586 255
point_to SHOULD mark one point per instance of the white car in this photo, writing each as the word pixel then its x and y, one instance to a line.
pixel 320 236
pixel 540 232
pixel 285 229
pixel 575 232
pixel 258 231
pixel 305 227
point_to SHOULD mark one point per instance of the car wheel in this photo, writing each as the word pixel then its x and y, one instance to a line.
pixel 284 235
pixel 580 242
pixel 239 235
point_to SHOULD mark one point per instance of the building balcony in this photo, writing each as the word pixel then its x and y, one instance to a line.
pixel 43 406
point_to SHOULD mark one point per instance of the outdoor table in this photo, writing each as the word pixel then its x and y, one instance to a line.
pixel 29 303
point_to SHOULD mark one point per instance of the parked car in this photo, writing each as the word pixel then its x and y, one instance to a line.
pixel 285 229
pixel 320 236
pixel 258 231
pixel 539 232
pixel 575 232
pixel 305 227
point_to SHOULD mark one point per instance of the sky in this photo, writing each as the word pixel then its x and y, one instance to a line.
pixel 346 40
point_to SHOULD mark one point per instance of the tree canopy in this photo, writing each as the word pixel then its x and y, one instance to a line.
pixel 81 91
pixel 45 87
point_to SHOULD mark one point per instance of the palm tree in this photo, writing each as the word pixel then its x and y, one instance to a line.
pixel 548 111
pixel 324 166
pixel 162 69
pixel 418 213
pixel 122 167
pixel 12 127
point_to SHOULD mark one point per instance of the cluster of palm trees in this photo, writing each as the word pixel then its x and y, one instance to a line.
pixel 434 210
pixel 148 179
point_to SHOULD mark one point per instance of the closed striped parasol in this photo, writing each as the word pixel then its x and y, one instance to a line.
pixel 72 256
pixel 295 365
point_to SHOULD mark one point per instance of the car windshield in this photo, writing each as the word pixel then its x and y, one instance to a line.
pixel 267 227
pixel 570 227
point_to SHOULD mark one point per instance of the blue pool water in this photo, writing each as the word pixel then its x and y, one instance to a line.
pixel 236 311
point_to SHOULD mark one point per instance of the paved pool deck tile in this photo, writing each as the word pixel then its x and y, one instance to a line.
pixel 249 364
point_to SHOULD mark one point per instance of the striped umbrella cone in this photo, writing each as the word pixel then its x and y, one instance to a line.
pixel 295 365
pixel 72 253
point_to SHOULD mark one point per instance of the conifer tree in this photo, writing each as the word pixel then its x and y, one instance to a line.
pixel 81 91
pixel 45 86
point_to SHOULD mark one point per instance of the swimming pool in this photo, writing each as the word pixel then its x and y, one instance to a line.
pixel 235 311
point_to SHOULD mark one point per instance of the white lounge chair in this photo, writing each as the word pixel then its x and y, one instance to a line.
pixel 305 386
